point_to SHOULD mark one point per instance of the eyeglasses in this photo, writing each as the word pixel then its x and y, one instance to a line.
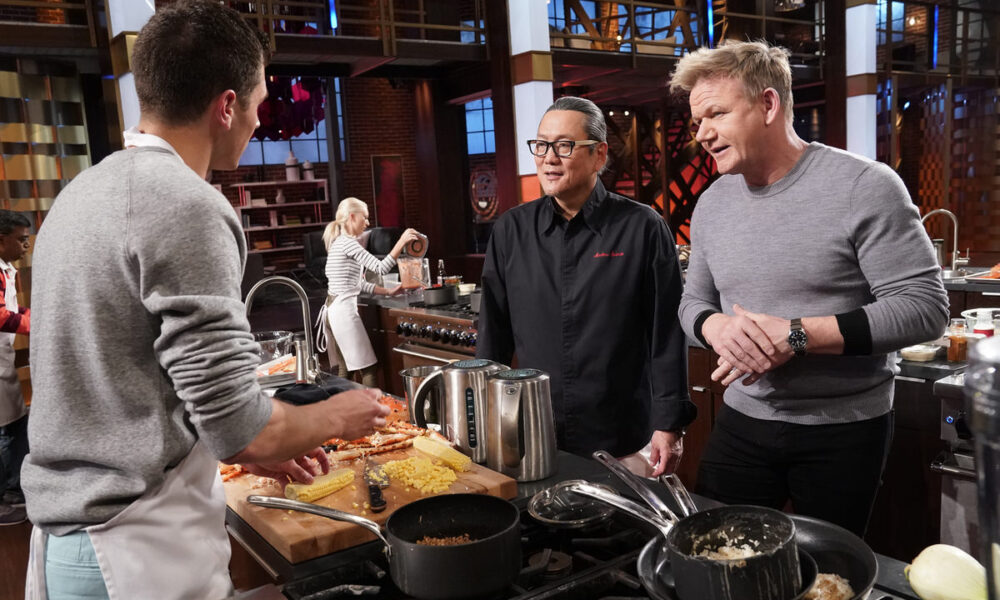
pixel 562 148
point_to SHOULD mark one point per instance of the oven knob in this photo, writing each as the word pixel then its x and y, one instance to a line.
pixel 426 331
pixel 403 328
pixel 453 336
pixel 462 338
pixel 472 339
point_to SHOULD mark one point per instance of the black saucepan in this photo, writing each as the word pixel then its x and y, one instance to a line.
pixel 834 550
pixel 436 296
pixel 485 566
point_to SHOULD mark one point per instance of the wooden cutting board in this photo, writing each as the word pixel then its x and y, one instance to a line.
pixel 300 536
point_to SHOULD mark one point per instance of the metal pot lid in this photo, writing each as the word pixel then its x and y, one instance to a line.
pixel 558 507
pixel 519 374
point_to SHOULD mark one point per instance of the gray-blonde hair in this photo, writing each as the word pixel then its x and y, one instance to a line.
pixel 757 65
pixel 594 126
pixel 345 209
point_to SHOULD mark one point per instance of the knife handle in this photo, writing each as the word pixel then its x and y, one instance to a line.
pixel 375 500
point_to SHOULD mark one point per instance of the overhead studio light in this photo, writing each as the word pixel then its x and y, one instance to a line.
pixel 788 5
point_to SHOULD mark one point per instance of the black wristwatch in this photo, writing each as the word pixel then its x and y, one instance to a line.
pixel 797 338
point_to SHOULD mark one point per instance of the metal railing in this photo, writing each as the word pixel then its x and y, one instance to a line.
pixel 442 21
pixel 62 13
pixel 632 26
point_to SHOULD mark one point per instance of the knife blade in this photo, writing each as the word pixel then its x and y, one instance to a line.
pixel 372 477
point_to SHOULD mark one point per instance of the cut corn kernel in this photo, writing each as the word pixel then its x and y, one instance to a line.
pixel 453 458
pixel 324 485
pixel 418 472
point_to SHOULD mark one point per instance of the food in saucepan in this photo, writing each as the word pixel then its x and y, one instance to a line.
pixel 453 540
pixel 829 586
pixel 724 543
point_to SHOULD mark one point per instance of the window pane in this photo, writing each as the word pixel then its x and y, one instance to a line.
pixel 321 129
pixel 476 143
pixel 252 155
pixel 487 102
pixel 323 153
pixel 275 153
pixel 306 150
pixel 488 120
pixel 490 144
pixel 473 120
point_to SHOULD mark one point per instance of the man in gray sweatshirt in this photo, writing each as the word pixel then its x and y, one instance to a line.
pixel 808 269
pixel 142 359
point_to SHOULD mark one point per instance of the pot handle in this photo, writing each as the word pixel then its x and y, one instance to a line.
pixel 623 504
pixel 420 397
pixel 323 511
pixel 638 485
pixel 676 487
pixel 510 430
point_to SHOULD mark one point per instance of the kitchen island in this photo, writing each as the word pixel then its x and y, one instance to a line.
pixel 603 560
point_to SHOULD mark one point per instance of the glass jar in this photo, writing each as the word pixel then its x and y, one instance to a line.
pixel 958 343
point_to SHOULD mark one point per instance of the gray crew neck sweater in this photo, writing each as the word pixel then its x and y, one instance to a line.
pixel 139 346
pixel 837 235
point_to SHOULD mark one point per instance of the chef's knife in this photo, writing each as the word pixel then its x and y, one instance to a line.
pixel 375 500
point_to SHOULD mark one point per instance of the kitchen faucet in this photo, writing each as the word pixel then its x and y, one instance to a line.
pixel 306 364
pixel 955 254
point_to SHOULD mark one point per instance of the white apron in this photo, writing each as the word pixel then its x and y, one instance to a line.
pixel 170 544
pixel 11 401
pixel 349 332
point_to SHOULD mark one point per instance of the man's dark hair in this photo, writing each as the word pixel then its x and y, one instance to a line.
pixel 189 53
pixel 9 220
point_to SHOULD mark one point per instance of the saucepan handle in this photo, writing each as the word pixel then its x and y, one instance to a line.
pixel 323 511
pixel 420 398
pixel 623 504
pixel 680 494
pixel 638 485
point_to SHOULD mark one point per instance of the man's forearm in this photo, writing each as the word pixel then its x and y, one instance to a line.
pixel 291 431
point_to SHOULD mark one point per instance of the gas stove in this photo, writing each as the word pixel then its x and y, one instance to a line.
pixel 596 563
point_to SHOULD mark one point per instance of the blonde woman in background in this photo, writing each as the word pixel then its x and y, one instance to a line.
pixel 347 344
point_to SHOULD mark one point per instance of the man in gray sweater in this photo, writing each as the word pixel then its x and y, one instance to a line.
pixel 142 359
pixel 808 269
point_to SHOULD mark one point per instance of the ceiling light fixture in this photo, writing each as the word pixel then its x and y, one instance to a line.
pixel 788 5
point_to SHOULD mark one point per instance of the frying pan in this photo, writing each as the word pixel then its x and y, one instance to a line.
pixel 436 296
pixel 834 549
pixel 488 564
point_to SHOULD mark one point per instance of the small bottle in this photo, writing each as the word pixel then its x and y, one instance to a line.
pixel 308 172
pixel 958 344
pixel 441 275
pixel 984 322
pixel 291 167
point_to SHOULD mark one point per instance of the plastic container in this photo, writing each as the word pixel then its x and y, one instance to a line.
pixel 982 404
pixel 414 273
pixel 273 344
pixel 291 167
pixel 984 322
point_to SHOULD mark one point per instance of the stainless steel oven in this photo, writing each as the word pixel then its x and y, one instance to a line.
pixel 425 336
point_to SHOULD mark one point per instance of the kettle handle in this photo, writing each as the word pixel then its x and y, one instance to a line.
pixel 510 427
pixel 420 397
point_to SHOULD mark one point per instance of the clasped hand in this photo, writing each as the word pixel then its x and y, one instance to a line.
pixel 748 344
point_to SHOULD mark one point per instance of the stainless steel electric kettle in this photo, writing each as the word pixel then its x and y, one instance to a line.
pixel 463 403
pixel 521 438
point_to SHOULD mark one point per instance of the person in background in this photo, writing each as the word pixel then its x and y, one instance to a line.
pixel 14 243
pixel 808 269
pixel 143 364
pixel 347 344
pixel 584 285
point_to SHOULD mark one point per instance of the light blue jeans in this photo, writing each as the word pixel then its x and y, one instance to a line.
pixel 71 569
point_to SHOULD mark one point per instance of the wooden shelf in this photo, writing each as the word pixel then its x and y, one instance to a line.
pixel 285 205
pixel 273 227
pixel 273 250
pixel 272 183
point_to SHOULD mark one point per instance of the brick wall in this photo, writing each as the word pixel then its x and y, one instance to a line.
pixel 257 173
pixel 380 121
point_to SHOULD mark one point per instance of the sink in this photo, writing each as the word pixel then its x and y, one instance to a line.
pixel 950 275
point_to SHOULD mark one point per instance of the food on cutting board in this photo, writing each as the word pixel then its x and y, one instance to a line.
pixel 442 451
pixel 279 366
pixel 421 474
pixel 829 586
pixel 230 471
pixel 322 486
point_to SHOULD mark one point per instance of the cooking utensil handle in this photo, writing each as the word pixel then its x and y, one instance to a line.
pixel 420 397
pixel 623 504
pixel 446 361
pixel 638 485
pixel 680 493
pixel 510 430
pixel 323 511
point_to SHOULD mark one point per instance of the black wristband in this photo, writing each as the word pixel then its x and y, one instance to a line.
pixel 856 331
pixel 699 322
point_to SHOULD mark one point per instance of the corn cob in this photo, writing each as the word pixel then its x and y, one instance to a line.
pixel 324 485
pixel 451 457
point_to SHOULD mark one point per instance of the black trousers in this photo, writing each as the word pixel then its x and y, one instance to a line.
pixel 831 472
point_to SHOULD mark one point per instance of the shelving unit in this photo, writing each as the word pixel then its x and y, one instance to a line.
pixel 275 229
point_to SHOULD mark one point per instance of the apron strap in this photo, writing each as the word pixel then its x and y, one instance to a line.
pixel 34 586
pixel 321 340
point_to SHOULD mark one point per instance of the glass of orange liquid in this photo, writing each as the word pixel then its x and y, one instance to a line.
pixel 958 343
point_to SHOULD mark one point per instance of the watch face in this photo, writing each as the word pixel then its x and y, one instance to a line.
pixel 797 340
